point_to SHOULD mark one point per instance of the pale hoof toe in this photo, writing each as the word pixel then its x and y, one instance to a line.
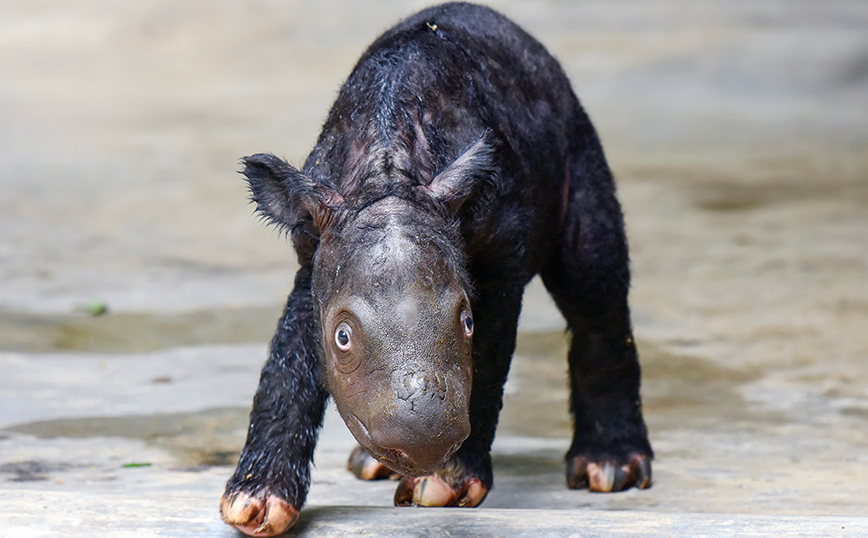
pixel 432 490
pixel 608 476
pixel 268 516
pixel 365 467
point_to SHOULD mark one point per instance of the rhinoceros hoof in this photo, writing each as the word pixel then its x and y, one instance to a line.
pixel 433 490
pixel 261 515
pixel 366 467
pixel 603 475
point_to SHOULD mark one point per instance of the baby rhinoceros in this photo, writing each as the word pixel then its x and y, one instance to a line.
pixel 455 164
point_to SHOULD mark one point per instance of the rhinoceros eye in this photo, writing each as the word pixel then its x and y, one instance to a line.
pixel 467 322
pixel 343 336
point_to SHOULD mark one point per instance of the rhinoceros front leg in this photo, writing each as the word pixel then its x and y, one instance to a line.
pixel 271 481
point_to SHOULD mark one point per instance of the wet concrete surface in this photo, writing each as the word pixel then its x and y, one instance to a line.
pixel 135 331
pixel 739 135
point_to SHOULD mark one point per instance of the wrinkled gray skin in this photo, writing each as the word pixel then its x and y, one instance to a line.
pixel 397 333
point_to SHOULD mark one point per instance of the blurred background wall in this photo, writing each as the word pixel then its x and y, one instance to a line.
pixel 121 123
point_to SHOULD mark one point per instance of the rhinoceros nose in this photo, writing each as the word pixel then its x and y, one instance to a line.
pixel 424 425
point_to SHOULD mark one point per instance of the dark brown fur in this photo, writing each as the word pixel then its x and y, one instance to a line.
pixel 470 131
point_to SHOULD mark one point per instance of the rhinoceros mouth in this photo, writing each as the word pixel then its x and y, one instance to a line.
pixel 396 459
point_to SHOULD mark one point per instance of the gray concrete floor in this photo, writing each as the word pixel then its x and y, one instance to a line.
pixel 739 135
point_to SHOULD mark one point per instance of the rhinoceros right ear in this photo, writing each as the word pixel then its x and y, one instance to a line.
pixel 287 197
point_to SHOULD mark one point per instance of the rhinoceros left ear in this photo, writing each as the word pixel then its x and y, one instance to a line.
pixel 456 183
pixel 287 197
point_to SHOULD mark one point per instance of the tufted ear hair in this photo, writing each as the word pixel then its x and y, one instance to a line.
pixel 454 185
pixel 290 199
